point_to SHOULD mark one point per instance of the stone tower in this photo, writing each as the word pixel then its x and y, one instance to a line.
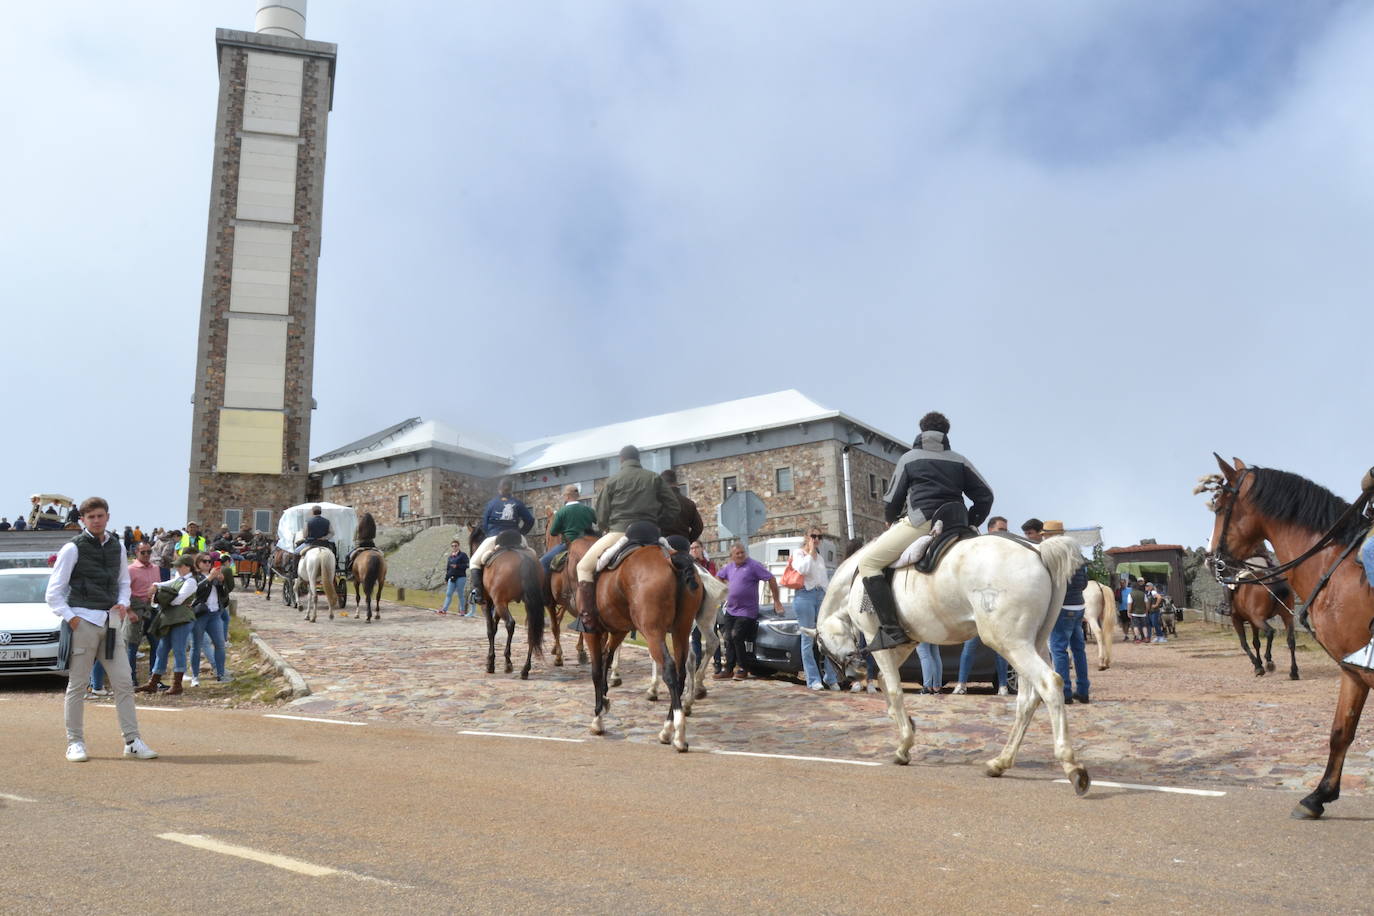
pixel 250 437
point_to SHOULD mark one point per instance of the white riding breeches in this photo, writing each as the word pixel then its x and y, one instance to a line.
pixel 889 546
pixel 586 567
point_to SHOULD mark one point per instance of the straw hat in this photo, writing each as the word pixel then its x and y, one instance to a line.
pixel 1053 527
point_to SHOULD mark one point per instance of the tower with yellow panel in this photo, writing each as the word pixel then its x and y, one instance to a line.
pixel 255 351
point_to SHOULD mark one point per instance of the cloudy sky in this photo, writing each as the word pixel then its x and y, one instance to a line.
pixel 1106 237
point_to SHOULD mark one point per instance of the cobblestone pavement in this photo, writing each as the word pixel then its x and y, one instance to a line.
pixel 1187 714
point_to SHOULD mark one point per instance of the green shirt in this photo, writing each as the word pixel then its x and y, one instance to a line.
pixel 573 521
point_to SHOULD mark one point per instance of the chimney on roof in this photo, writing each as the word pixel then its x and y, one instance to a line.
pixel 1146 542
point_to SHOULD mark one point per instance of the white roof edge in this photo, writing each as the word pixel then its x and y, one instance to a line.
pixel 358 458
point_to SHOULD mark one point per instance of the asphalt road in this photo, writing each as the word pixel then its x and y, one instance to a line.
pixel 428 820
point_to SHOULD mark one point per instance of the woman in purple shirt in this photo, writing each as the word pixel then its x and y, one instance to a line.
pixel 743 575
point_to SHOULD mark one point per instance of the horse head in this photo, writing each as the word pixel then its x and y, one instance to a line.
pixel 1237 530
pixel 838 639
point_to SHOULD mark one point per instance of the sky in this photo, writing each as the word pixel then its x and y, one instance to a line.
pixel 1105 237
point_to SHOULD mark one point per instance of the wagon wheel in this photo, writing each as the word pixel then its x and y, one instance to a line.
pixel 1013 680
pixel 341 586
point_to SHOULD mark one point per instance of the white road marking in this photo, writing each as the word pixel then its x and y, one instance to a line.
pixel 18 798
pixel 272 715
pixel 1209 793
pixel 143 708
pixel 266 858
pixel 527 737
pixel 855 763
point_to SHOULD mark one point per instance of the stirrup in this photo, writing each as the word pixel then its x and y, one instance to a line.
pixel 886 639
pixel 1362 658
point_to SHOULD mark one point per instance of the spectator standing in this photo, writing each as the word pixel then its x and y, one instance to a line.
pixel 698 552
pixel 1033 530
pixel 4 524
pixel 191 541
pixel 1138 607
pixel 1067 636
pixel 20 524
pixel 90 584
pixel 128 541
pixel 743 574
pixel 1155 613
pixel 143 580
pixel 503 513
pixel 932 667
pixel 995 524
pixel 165 552
pixel 212 609
pixel 806 603
pixel 172 625
pixel 456 579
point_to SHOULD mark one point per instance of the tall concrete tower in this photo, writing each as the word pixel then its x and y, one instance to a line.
pixel 250 438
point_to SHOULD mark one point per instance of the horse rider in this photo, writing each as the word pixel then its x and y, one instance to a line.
pixel 319 532
pixel 633 494
pixel 192 541
pixel 503 513
pixel 365 539
pixel 927 477
pixel 1364 656
pixel 688 523
pixel 572 521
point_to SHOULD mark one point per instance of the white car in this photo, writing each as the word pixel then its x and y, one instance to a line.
pixel 29 630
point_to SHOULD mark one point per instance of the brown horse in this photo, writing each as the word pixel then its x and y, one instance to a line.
pixel 646 592
pixel 1317 533
pixel 513 574
pixel 367 566
pixel 561 599
pixel 1256 605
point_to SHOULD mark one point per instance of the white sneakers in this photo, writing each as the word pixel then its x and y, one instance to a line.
pixel 195 680
pixel 960 688
pixel 1003 691
pixel 76 752
pixel 136 748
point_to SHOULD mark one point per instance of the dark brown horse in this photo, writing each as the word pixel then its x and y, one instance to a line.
pixel 561 596
pixel 513 574
pixel 1255 605
pixel 1318 533
pixel 367 567
pixel 646 592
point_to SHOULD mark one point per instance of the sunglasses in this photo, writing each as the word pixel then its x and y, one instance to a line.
pixel 815 537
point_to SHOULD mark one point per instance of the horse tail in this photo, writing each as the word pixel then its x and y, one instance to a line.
pixel 533 588
pixel 375 576
pixel 685 572
pixel 1061 557
pixel 326 571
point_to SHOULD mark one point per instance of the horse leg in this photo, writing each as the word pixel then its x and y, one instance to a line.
pixel 710 641
pixel 510 636
pixel 1026 702
pixel 593 642
pixel 1239 625
pixel 1268 647
pixel 490 614
pixel 1348 708
pixel 556 618
pixel 682 654
pixel 658 651
pixel 651 690
pixel 1036 673
pixel 1292 648
pixel 1096 632
pixel 675 724
pixel 581 649
pixel 888 663
pixel 614 680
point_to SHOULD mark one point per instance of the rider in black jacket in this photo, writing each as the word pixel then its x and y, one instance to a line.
pixel 926 478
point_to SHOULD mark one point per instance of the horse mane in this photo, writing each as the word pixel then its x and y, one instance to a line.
pixel 1288 497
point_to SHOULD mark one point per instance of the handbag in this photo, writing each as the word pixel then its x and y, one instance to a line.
pixel 792 579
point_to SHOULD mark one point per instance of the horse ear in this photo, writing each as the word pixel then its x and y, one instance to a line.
pixel 1226 470
pixel 1240 465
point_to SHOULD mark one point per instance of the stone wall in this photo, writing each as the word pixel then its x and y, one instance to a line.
pixel 432 491
pixel 866 472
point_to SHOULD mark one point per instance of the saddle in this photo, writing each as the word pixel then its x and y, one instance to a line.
pixel 637 535
pixel 948 527
pixel 559 561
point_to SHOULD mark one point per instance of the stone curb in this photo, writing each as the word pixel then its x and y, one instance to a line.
pixel 299 688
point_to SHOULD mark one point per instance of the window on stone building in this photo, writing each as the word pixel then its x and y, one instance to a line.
pixel 784 476
pixel 233 519
pixel 403 505
pixel 873 490
pixel 730 488
pixel 262 519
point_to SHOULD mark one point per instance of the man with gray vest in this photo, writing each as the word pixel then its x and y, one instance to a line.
pixel 926 478
pixel 634 494
pixel 90 585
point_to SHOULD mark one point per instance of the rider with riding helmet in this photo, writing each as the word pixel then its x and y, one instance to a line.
pixel 504 513
pixel 633 494
pixel 927 477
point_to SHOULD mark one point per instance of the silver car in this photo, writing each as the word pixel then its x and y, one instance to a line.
pixel 29 631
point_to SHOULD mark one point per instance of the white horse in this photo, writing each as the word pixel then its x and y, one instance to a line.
pixel 316 568
pixel 1006 592
pixel 1100 612
pixel 713 596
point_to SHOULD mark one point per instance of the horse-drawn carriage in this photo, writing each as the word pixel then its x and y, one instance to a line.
pixel 291 529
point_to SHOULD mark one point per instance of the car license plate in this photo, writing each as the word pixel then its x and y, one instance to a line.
pixel 14 655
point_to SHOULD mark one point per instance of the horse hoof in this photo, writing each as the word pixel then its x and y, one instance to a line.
pixel 993 769
pixel 664 739
pixel 558 663
pixel 524 675
pixel 597 729
pixel 1268 666
pixel 1259 672
pixel 509 668
pixel 700 694
pixel 681 748
pixel 1081 781
pixel 491 669
pixel 1294 677
pixel 1309 809
pixel 651 697
pixel 901 759
pixel 614 682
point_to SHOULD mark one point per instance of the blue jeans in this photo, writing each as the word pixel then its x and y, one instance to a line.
pixel 211 624
pixel 1066 637
pixel 173 643
pixel 1154 626
pixel 459 587
pixel 807 604
pixel 547 558
pixel 1367 558
pixel 966 662
pixel 932 666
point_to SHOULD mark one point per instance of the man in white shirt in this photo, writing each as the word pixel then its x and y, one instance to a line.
pixel 807 603
pixel 89 584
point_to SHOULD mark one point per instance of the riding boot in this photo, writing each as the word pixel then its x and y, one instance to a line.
pixel 154 681
pixel 475 585
pixel 890 632
pixel 176 683
pixel 586 608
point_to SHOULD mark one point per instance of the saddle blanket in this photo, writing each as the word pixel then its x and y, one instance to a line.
pixel 623 548
pixel 913 554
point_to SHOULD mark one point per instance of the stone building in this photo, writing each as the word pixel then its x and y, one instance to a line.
pixel 786 448
pixel 255 353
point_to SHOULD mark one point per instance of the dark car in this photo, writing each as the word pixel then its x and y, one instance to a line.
pixel 777 649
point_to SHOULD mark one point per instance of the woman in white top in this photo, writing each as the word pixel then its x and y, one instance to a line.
pixel 807 604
